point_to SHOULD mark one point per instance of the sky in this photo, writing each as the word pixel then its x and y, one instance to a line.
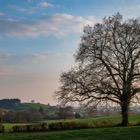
pixel 38 39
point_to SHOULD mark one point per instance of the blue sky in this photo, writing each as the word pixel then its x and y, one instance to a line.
pixel 39 37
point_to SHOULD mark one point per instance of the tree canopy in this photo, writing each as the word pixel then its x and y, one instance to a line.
pixel 108 65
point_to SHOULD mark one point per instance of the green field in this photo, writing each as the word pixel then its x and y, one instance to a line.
pixel 134 119
pixel 99 133
pixel 109 133
pixel 34 105
pixel 114 120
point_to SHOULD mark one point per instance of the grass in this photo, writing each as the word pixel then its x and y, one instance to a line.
pixel 35 105
pixel 8 126
pixel 100 133
pixel 134 119
pixel 108 133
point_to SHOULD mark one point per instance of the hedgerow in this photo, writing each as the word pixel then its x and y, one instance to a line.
pixel 60 126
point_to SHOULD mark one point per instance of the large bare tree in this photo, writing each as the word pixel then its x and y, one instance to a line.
pixel 108 65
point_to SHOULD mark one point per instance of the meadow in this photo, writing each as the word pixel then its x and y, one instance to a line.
pixel 98 133
pixel 108 133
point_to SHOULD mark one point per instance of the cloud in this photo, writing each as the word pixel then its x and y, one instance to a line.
pixel 46 57
pixel 5 57
pixel 56 25
pixel 35 58
pixel 26 10
pixel 2 14
pixel 46 4
pixel 32 8
pixel 5 70
pixel 39 56
pixel 15 59
pixel 131 11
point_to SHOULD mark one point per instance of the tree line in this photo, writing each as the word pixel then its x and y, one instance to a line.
pixel 10 103
pixel 58 113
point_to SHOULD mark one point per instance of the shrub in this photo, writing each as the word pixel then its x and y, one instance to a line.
pixel 69 125
pixel 1 128
pixel 21 128
pixel 31 128
pixel 61 126
pixel 56 126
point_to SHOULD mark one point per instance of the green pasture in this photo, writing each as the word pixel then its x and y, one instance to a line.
pixel 114 120
pixel 8 126
pixel 107 133
pixel 35 105
pixel 134 119
pixel 100 133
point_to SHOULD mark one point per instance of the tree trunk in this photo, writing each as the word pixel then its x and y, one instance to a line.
pixel 125 113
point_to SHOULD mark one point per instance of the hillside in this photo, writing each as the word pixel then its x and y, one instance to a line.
pixel 11 104
pixel 33 105
pixel 16 104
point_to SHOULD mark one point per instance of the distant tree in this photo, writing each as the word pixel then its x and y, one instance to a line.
pixel 65 112
pixel 20 117
pixel 41 110
pixel 9 103
pixel 91 112
pixel 109 66
pixel 77 115
pixel 10 116
pixel 1 115
pixel 32 115
pixel 32 101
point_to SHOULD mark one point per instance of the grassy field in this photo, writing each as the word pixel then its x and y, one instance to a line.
pixel 134 119
pixel 115 120
pixel 108 133
pixel 100 133
pixel 34 105
pixel 8 126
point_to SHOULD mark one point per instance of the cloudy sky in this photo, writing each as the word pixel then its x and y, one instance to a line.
pixel 39 37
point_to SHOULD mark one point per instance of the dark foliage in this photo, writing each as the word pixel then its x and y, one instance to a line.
pixel 1 128
pixel 9 103
pixel 60 126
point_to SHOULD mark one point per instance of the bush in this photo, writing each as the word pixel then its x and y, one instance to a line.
pixel 31 128
pixel 69 125
pixel 55 126
pixel 61 126
pixel 1 128
pixel 76 125
pixel 21 128
pixel 51 126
